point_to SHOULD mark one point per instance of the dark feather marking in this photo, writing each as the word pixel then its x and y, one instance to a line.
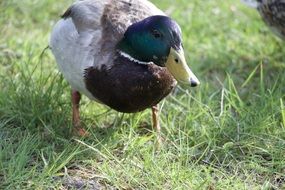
pixel 129 87
pixel 67 13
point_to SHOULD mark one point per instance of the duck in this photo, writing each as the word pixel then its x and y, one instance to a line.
pixel 125 54
pixel 272 13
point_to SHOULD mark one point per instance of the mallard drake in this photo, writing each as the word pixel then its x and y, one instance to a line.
pixel 273 14
pixel 126 54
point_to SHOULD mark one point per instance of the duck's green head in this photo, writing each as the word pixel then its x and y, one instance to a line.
pixel 157 39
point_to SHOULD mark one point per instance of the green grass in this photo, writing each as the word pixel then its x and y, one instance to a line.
pixel 229 133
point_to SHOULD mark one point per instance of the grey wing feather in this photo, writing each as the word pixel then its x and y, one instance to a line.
pixel 113 15
pixel 86 14
pixel 120 14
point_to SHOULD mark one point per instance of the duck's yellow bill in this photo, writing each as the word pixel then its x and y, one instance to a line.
pixel 177 66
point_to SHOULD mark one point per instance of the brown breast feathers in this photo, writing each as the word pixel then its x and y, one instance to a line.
pixel 128 86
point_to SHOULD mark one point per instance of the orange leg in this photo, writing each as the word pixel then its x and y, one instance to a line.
pixel 75 99
pixel 155 122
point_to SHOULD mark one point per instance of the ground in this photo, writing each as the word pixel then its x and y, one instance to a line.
pixel 229 133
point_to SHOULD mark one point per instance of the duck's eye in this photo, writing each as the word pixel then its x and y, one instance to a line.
pixel 156 34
